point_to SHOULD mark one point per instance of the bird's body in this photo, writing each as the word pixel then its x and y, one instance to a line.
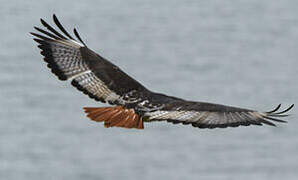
pixel 133 103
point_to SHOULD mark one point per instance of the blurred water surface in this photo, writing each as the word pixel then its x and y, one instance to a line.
pixel 241 53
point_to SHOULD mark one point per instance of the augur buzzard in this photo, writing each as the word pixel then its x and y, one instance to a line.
pixel 133 104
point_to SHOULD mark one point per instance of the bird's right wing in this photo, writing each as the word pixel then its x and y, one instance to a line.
pixel 69 58
pixel 208 115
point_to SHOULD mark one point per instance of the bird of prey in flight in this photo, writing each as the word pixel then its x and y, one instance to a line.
pixel 132 103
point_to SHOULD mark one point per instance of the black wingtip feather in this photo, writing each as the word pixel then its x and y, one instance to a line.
pixel 274 119
pixel 286 110
pixel 44 41
pixel 56 34
pixel 41 37
pixel 275 109
pixel 45 32
pixel 45 24
pixel 61 27
pixel 78 36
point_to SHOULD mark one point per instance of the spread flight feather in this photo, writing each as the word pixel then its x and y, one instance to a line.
pixel 71 59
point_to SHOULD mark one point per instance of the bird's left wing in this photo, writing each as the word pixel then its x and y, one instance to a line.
pixel 69 58
pixel 208 115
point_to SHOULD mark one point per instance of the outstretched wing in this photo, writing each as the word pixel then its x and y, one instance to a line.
pixel 69 58
pixel 207 115
pixel 92 74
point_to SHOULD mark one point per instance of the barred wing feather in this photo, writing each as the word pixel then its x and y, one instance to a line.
pixel 90 73
pixel 207 115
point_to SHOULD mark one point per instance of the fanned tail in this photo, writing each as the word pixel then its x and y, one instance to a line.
pixel 115 116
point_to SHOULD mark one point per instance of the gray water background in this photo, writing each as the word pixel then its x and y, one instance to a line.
pixel 242 53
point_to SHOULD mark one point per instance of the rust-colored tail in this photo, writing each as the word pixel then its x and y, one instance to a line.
pixel 115 116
